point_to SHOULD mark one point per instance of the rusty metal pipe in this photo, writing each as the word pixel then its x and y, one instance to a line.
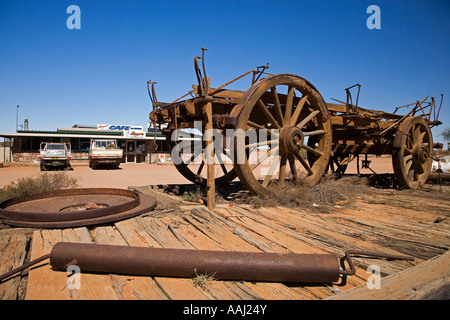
pixel 185 263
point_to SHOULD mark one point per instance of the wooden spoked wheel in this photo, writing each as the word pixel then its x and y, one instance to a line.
pixel 190 160
pixel 411 159
pixel 283 112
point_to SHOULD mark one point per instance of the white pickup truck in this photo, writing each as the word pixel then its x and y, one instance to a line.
pixel 104 151
pixel 54 155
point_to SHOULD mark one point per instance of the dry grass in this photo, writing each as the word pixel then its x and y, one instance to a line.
pixel 202 280
pixel 329 191
pixel 193 196
pixel 41 183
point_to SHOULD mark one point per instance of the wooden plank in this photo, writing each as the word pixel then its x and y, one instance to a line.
pixel 222 234
pixel 13 248
pixel 43 282
pixel 283 237
pixel 134 234
pixel 429 279
pixel 161 233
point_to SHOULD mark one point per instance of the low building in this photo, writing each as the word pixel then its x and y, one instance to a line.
pixel 136 143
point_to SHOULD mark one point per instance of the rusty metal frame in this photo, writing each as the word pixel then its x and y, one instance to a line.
pixel 138 203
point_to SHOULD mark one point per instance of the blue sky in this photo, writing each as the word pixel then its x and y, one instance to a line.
pixel 98 74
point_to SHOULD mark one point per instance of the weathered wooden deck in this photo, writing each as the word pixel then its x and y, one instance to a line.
pixel 378 222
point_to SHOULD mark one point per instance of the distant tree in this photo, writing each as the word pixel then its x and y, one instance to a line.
pixel 446 134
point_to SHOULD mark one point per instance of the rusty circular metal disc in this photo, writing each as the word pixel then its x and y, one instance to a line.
pixel 48 209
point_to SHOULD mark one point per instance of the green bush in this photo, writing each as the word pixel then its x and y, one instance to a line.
pixel 41 183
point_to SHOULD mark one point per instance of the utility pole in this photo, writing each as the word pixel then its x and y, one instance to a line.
pixel 17 117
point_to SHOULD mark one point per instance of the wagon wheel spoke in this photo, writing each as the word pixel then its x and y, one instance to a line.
pixel 267 114
pixel 282 173
pixel 200 168
pixel 415 134
pixel 313 133
pixel 261 143
pixel 416 171
pixel 312 150
pixel 298 110
pixel 421 136
pixel 221 163
pixel 289 103
pixel 192 158
pixel 271 171
pixel 264 157
pixel 304 163
pixel 307 119
pixel 256 126
pixel 292 166
pixel 276 99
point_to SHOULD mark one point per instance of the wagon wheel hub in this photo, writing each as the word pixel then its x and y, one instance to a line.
pixel 291 139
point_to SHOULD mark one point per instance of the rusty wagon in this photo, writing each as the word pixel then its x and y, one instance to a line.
pixel 303 135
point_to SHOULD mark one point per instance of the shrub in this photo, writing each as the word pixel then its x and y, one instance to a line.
pixel 256 202
pixel 41 183
pixel 328 191
pixel 193 196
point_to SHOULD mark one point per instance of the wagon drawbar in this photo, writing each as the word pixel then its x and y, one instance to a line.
pixel 281 130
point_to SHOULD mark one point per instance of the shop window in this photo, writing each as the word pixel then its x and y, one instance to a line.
pixel 84 144
pixel 26 143
pixel 80 144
